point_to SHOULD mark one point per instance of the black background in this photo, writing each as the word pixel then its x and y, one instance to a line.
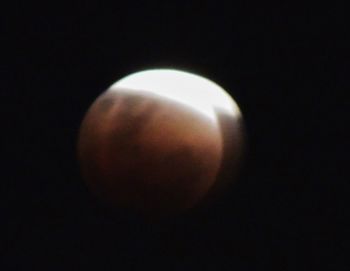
pixel 286 67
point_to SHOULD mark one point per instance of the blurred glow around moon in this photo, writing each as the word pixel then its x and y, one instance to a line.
pixel 192 90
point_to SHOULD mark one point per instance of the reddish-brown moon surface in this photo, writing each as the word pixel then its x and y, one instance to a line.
pixel 160 141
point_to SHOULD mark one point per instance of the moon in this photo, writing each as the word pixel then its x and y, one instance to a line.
pixel 160 141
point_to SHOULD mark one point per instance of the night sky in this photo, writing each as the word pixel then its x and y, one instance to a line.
pixel 284 65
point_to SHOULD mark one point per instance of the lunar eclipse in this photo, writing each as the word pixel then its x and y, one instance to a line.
pixel 160 142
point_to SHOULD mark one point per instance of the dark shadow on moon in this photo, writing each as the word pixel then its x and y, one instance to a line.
pixel 136 111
